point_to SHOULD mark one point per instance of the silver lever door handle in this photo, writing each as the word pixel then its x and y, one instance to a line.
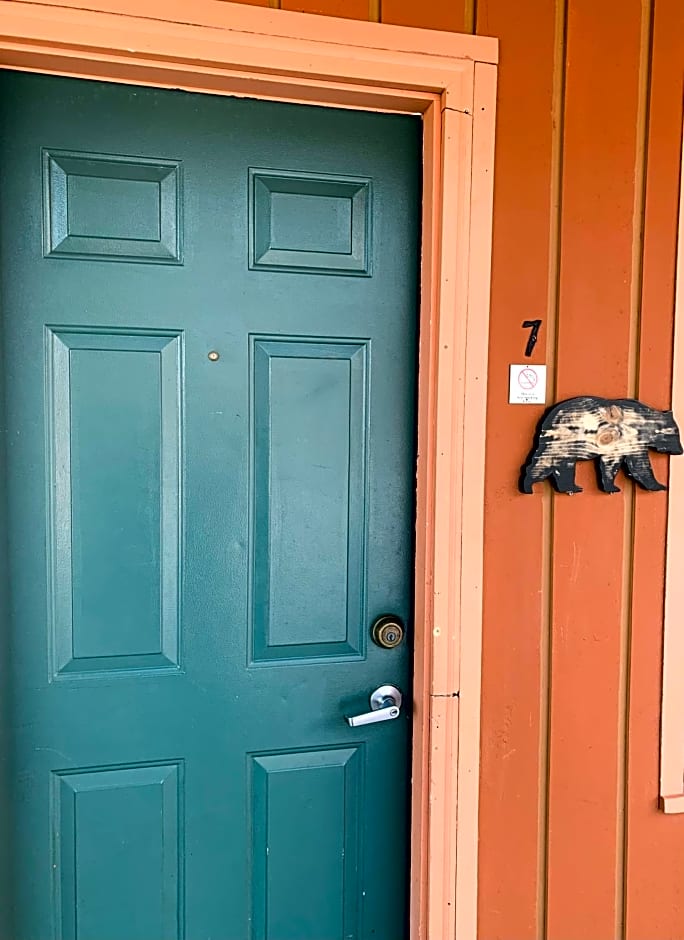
pixel 385 703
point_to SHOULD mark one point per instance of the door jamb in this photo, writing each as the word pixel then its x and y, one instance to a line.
pixel 450 79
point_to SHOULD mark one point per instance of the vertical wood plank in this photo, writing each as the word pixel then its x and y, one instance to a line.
pixel 259 3
pixel 655 862
pixel 514 600
pixel 351 9
pixel 454 15
pixel 591 531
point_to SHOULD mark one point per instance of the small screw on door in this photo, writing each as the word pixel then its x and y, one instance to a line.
pixel 387 631
pixel 213 356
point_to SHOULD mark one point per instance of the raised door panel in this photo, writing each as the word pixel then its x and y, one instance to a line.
pixel 310 222
pixel 114 442
pixel 117 855
pixel 309 492
pixel 306 810
pixel 112 207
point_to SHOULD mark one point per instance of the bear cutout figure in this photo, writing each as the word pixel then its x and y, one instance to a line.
pixel 617 432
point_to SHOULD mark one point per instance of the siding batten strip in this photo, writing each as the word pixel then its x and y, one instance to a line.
pixel 552 317
pixel 631 496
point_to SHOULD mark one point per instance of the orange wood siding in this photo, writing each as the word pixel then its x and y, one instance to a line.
pixel 572 845
pixel 514 610
pixel 456 15
pixel 591 536
pixel 352 9
pixel 654 868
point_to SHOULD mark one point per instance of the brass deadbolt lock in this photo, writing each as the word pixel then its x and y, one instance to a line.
pixel 387 631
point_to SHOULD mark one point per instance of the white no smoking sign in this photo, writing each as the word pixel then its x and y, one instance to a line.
pixel 527 385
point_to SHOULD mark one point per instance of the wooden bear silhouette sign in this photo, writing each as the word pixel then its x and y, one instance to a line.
pixel 617 432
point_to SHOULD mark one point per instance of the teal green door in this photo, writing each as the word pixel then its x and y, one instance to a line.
pixel 209 341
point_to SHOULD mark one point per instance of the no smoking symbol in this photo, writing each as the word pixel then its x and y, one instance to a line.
pixel 527 379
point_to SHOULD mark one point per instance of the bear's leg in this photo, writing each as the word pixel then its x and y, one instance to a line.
pixel 639 468
pixel 533 473
pixel 528 479
pixel 564 475
pixel 609 466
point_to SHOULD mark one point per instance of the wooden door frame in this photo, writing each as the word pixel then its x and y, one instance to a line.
pixel 450 79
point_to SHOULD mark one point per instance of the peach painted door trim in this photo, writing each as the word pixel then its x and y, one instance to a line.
pixel 672 716
pixel 231 49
